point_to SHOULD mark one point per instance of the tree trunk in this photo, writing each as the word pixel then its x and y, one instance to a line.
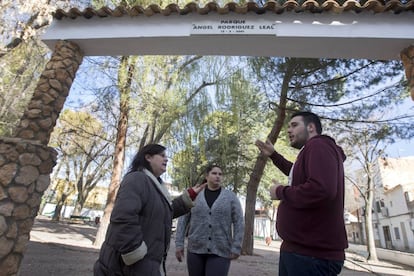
pixel 78 206
pixel 58 208
pixel 251 195
pixel 127 66
pixel 372 252
pixel 360 228
pixel 257 173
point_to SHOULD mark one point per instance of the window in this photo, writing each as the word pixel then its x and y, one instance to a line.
pixel 397 233
pixel 379 204
pixel 409 196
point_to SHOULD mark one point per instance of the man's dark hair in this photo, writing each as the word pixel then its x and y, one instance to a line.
pixel 309 117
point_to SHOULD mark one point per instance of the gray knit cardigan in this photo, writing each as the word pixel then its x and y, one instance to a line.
pixel 218 230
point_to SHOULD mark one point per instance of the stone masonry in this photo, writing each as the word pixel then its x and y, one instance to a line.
pixel 25 159
pixel 407 57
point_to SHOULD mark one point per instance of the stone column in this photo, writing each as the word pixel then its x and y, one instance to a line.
pixel 50 94
pixel 407 57
pixel 25 159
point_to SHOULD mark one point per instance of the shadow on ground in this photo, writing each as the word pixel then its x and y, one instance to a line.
pixel 47 259
pixel 64 248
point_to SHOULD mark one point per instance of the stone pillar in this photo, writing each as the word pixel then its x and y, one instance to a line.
pixel 407 57
pixel 50 94
pixel 25 168
pixel 25 159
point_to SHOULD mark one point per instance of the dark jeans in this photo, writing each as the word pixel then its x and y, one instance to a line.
pixel 291 264
pixel 207 265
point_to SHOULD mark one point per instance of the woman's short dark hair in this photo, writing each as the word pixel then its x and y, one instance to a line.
pixel 210 167
pixel 139 162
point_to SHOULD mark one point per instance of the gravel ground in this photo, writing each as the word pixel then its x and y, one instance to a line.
pixel 62 248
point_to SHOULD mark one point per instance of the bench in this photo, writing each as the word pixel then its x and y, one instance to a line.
pixel 80 218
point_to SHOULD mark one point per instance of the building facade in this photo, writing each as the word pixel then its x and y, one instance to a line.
pixel 393 209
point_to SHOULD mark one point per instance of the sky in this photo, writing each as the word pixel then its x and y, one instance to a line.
pixel 402 148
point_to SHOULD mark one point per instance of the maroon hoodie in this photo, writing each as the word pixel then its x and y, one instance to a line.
pixel 310 217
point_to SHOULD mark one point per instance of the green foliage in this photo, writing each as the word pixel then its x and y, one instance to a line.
pixel 19 70
pixel 74 132
pixel 223 134
pixel 22 21
pixel 84 152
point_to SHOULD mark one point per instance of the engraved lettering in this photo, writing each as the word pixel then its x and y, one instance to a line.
pixel 266 27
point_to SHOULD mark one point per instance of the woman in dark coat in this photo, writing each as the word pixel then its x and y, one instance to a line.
pixel 139 232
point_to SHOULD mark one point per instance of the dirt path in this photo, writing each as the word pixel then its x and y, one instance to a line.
pixel 65 249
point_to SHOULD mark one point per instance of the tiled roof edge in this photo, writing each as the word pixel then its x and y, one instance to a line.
pixel 312 6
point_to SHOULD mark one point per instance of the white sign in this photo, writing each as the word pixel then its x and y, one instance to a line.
pixel 235 26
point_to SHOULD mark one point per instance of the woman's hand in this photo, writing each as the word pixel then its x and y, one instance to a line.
pixel 233 256
pixel 193 191
pixel 179 254
pixel 198 187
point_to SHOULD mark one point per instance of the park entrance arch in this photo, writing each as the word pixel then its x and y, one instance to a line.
pixel 372 30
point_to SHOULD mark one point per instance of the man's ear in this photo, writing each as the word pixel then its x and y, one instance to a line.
pixel 311 128
pixel 147 157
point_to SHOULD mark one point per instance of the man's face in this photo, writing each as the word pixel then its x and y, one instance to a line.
pixel 298 132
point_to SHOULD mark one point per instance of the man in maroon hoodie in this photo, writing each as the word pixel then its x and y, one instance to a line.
pixel 310 218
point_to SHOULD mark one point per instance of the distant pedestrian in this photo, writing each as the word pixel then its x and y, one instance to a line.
pixel 138 236
pixel 310 218
pixel 268 240
pixel 215 229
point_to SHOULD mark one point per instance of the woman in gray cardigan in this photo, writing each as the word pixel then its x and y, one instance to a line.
pixel 215 230
pixel 139 232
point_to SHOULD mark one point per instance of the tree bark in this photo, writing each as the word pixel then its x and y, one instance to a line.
pixel 257 173
pixel 371 248
pixel 127 65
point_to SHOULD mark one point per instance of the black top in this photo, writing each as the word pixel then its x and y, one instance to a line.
pixel 211 196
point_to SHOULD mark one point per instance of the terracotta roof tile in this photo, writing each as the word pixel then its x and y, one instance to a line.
pixel 312 6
